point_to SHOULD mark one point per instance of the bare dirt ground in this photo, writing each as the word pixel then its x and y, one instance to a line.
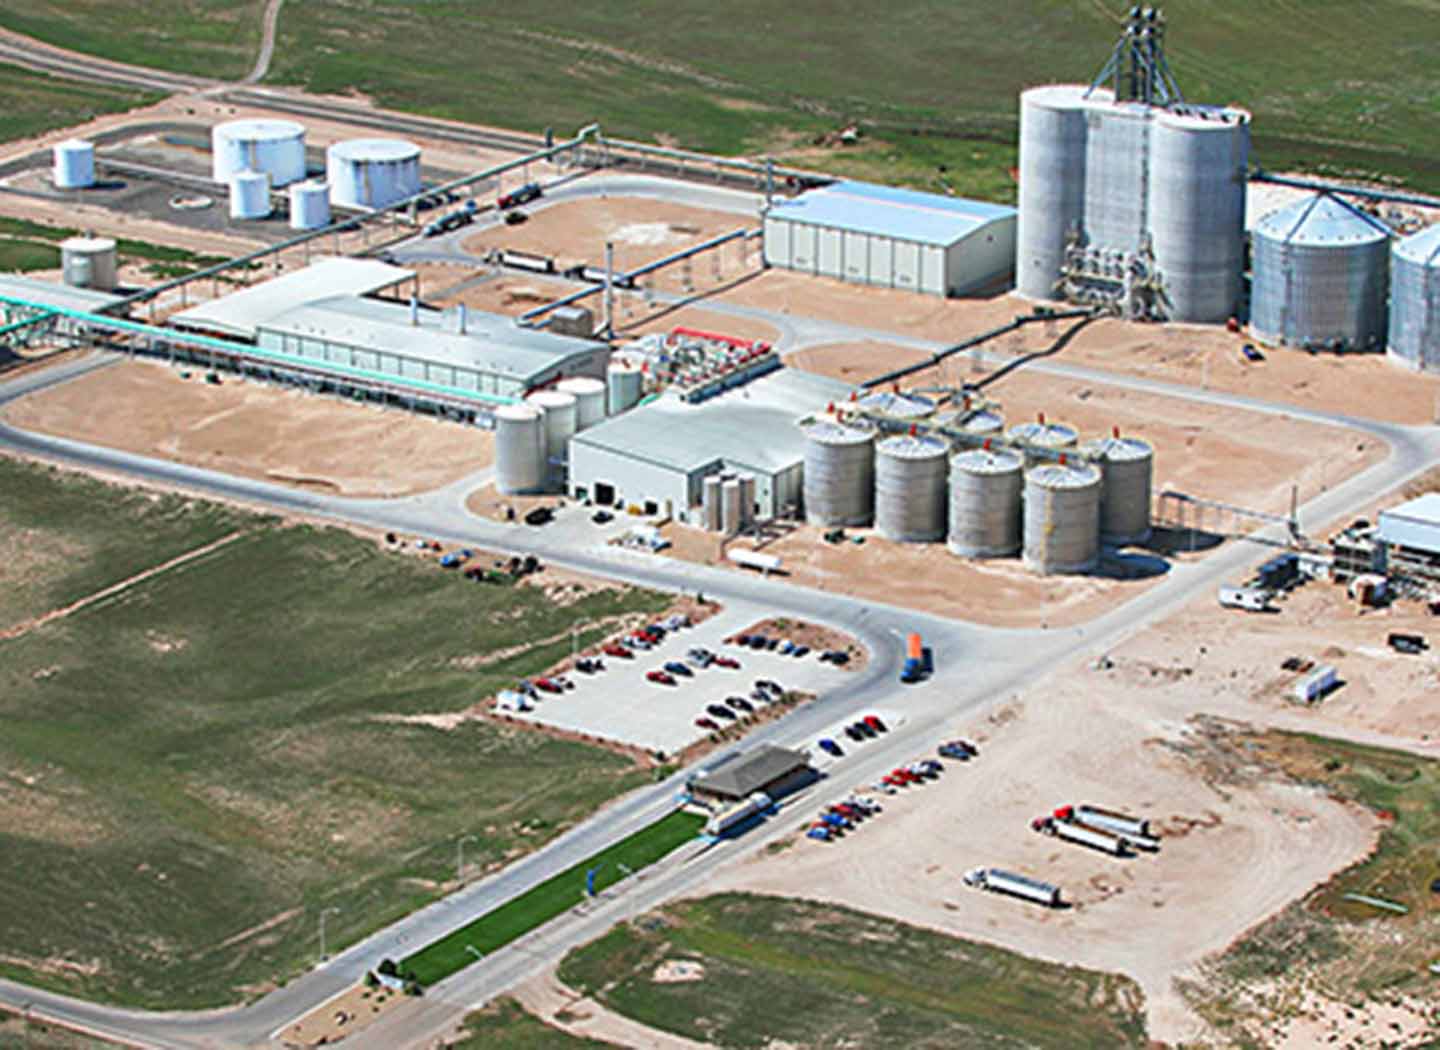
pixel 1194 355
pixel 258 431
pixel 561 1006
pixel 1204 450
pixel 350 1012
pixel 642 230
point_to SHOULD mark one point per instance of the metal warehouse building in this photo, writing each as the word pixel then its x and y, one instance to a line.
pixel 893 238
pixel 773 770
pixel 661 452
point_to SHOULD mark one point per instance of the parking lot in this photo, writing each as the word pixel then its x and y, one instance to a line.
pixel 619 704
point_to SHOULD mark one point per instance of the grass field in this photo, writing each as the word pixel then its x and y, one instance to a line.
pixel 192 769
pixel 1351 950
pixel 16 1034
pixel 550 898
pixel 22 256
pixel 505 1025
pixel 35 241
pixel 36 103
pixel 814 975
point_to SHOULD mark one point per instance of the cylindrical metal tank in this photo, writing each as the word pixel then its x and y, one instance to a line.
pixel 1197 177
pixel 1044 435
pixel 560 416
pixel 910 475
pixel 1414 339
pixel 74 164
pixel 309 205
pixel 1321 271
pixel 589 395
pixel 1052 182
pixel 1127 467
pixel 89 262
pixel 730 506
pixel 1062 518
pixel 519 449
pixel 250 195
pixel 624 384
pixel 710 512
pixel 839 479
pixel 371 173
pixel 276 147
pixel 1117 142
pixel 899 410
pixel 982 422
pixel 747 499
pixel 985 503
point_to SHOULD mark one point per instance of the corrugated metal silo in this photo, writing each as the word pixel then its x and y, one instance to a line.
pixel 624 384
pixel 1062 518
pixel 1197 175
pixel 710 513
pixel 589 395
pixel 1127 467
pixel 1321 271
pixel 1415 301
pixel 730 496
pixel 560 418
pixel 1116 147
pixel 1052 182
pixel 985 503
pixel 910 475
pixel 519 449
pixel 839 482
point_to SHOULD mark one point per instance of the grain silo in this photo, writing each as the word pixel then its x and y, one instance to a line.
pixel 1043 435
pixel 839 476
pixel 910 475
pixel 1414 338
pixel 519 449
pixel 309 205
pixel 747 499
pixel 894 410
pixel 589 395
pixel 250 195
pixel 560 418
pixel 1127 467
pixel 275 147
pixel 711 514
pixel 1052 182
pixel 372 173
pixel 89 262
pixel 1062 518
pixel 73 165
pixel 982 422
pixel 624 384
pixel 1321 269
pixel 730 497
pixel 985 488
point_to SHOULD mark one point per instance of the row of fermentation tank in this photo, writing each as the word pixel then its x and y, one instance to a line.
pixel 253 158
pixel 1032 490
pixel 532 438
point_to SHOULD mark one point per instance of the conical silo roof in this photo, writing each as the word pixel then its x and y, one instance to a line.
pixel 1320 220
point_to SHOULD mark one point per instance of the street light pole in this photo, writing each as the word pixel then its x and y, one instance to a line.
pixel 324 912
pixel 460 856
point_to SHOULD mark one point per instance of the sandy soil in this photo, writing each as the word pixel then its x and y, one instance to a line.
pixel 257 431
pixel 1204 450
pixel 559 1005
pixel 348 1013
pixel 641 229
pixel 1315 1020
pixel 1364 385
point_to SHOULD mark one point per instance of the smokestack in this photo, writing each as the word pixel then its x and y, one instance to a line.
pixel 415 311
pixel 609 289
pixel 463 318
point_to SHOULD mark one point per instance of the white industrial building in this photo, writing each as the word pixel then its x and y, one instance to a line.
pixel 658 455
pixel 893 238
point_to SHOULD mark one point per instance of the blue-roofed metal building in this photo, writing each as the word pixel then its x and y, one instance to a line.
pixel 893 238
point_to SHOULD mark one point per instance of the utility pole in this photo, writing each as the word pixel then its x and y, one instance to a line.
pixel 324 912
pixel 460 855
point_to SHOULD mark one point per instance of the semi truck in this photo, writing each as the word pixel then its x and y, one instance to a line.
pixel 728 820
pixel 913 669
pixel 1082 834
pixel 1134 830
pixel 997 881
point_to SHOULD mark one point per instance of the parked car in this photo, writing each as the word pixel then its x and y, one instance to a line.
pixel 602 517
pixel 739 703
pixel 768 686
pixel 800 650
pixel 865 730
pixel 618 651
pixel 854 734
pixel 1251 353
pixel 707 723
pixel 675 667
pixel 589 665
pixel 786 645
pixel 540 516
pixel 721 711
pixel 549 685
pixel 884 786
pixel 727 662
pixel 772 644
pixel 873 721
pixel 958 749
pixel 659 678
pixel 830 747
pixel 758 641
pixel 819 832
pixel 677 621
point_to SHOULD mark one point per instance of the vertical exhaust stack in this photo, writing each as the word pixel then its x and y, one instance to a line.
pixel 464 318
pixel 609 290
pixel 414 311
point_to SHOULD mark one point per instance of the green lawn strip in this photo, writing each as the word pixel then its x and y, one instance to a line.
pixel 164 259
pixel 813 975
pixel 506 1025
pixel 555 895
pixel 36 102
pixel 18 256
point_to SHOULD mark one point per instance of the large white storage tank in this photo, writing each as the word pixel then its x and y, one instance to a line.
pixel 589 395
pixel 519 449
pixel 1414 338
pixel 276 147
pixel 1197 175
pixel 250 195
pixel 1116 148
pixel 910 475
pixel 371 173
pixel 985 489
pixel 1127 467
pixel 89 262
pixel 624 383
pixel 1052 182
pixel 73 165
pixel 1321 270
pixel 1062 518
pixel 560 420
pixel 839 481
pixel 309 205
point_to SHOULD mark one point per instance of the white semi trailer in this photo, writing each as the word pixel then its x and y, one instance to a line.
pixel 997 881
pixel 728 820
pixel 1110 819
pixel 1082 834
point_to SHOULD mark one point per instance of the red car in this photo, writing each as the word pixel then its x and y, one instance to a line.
pixel 707 723
pixel 618 651
pixel 659 677
pixel 728 662
pixel 548 685
pixel 874 723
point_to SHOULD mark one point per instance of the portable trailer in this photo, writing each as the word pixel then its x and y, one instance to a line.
pixel 1082 834
pixel 997 881
pixel 1109 819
